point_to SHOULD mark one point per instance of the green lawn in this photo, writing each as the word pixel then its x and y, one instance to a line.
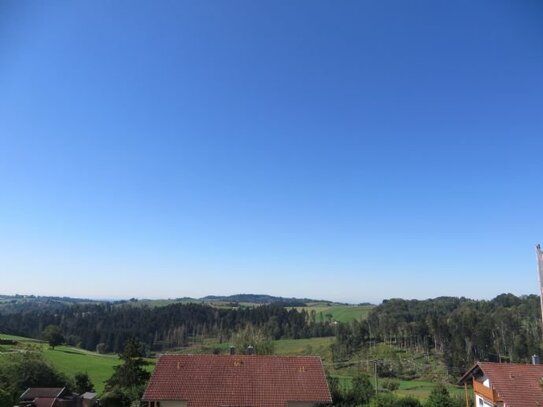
pixel 72 360
pixel 421 389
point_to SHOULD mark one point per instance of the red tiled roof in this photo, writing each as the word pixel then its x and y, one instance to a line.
pixel 237 380
pixel 517 384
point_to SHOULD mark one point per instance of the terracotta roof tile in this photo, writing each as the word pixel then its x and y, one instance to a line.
pixel 517 384
pixel 219 380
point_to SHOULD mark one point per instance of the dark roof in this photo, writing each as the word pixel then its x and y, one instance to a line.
pixel 44 401
pixel 517 384
pixel 238 380
pixel 43 392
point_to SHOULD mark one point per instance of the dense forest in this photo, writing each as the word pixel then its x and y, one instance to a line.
pixel 109 326
pixel 459 330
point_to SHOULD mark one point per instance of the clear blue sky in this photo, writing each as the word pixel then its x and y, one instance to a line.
pixel 351 150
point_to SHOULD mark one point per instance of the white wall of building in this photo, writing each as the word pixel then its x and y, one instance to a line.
pixel 481 402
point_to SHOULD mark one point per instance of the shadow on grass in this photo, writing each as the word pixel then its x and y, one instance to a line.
pixel 73 352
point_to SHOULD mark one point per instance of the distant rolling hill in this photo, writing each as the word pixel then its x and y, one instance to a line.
pixel 258 299
pixel 20 303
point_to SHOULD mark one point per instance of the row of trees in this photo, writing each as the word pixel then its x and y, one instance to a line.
pixel 462 331
pixel 109 326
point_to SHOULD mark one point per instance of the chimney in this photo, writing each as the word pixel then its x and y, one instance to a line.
pixel 535 360
pixel 232 350
pixel 250 350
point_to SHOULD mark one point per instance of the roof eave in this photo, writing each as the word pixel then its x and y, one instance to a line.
pixel 469 374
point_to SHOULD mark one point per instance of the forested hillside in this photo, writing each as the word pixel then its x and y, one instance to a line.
pixel 456 331
pixel 161 328
pixel 460 330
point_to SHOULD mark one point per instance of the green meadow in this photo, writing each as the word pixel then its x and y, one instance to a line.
pixel 337 312
pixel 70 360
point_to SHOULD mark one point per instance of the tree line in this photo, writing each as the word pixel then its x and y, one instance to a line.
pixel 106 327
pixel 459 330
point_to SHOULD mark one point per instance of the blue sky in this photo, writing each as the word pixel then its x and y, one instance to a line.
pixel 353 150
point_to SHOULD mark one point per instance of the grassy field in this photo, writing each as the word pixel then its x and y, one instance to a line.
pixel 70 360
pixel 340 313
pixel 421 389
pixel 312 346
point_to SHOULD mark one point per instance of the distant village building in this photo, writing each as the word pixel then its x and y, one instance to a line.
pixel 49 397
pixel 88 399
pixel 506 384
pixel 237 380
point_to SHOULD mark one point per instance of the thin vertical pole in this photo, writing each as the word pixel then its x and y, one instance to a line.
pixel 375 373
pixel 539 255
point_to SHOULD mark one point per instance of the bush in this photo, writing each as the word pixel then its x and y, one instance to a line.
pixel 361 391
pixel 390 385
pixel 115 398
pixel 5 399
pixel 383 400
pixel 440 397
pixel 407 402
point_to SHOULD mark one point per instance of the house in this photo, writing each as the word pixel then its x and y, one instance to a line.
pixel 506 384
pixel 48 397
pixel 237 381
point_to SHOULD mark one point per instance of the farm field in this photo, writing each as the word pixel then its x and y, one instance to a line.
pixel 340 313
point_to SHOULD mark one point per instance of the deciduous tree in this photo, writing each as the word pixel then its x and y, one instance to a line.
pixel 53 335
pixel 83 383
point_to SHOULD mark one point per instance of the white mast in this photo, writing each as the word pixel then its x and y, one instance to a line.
pixel 539 254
